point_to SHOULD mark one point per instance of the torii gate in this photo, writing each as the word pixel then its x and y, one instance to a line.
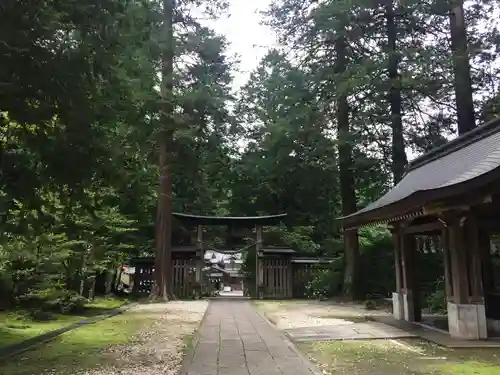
pixel 257 222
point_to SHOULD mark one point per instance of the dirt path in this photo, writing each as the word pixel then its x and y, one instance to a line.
pixel 299 314
pixel 362 356
pixel 159 347
pixel 149 339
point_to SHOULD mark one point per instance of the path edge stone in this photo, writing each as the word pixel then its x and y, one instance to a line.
pixel 16 349
pixel 188 357
pixel 307 362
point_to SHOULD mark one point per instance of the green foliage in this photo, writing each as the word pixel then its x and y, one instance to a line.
pixel 325 283
pixel 52 300
pixel 81 112
pixel 77 130
pixel 436 301
pixel 298 238
pixel 370 304
pixel 377 261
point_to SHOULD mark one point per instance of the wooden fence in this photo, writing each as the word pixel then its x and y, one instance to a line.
pixel 302 275
pixel 277 278
pixel 183 277
pixel 282 278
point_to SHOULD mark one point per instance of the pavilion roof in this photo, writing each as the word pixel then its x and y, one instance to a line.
pixel 230 220
pixel 468 162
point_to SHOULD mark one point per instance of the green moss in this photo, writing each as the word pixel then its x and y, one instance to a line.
pixel 469 368
pixel 78 349
pixel 401 357
pixel 15 326
pixel 108 303
pixel 188 342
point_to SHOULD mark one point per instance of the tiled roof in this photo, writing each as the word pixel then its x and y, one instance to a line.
pixel 463 159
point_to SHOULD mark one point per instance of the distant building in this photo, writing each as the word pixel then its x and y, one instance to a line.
pixel 225 269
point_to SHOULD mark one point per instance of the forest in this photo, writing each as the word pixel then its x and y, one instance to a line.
pixel 116 113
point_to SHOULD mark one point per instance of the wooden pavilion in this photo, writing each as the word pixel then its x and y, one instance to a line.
pixel 452 191
pixel 280 272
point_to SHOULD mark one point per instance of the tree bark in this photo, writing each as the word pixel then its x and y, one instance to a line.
pixel 347 192
pixel 162 288
pixel 399 159
pixel 461 68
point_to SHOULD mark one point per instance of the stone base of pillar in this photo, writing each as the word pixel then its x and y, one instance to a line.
pixel 397 306
pixel 408 306
pixel 467 321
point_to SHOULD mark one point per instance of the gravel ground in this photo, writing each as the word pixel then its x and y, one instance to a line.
pixel 301 314
pixel 157 348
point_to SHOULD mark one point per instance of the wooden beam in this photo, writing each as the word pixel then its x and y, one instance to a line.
pixel 435 226
pixel 464 202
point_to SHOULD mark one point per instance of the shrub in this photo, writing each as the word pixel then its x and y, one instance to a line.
pixel 40 315
pixel 436 302
pixel 52 299
pixel 324 284
pixel 6 289
pixel 370 305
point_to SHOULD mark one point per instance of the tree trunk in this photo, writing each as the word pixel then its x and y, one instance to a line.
pixel 399 159
pixel 347 192
pixel 461 68
pixel 162 288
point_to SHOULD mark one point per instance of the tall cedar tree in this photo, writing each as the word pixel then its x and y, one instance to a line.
pixel 163 260
pixel 347 192
pixel 461 68
pixel 399 159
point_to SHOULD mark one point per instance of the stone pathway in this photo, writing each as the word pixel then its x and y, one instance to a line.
pixel 235 340
pixel 347 331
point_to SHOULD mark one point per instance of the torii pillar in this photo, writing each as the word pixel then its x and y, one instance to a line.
pixel 259 267
pixel 200 255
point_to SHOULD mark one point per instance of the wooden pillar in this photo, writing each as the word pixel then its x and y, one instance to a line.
pixel 410 287
pixel 448 280
pixel 290 280
pixel 259 271
pixel 397 296
pixel 484 243
pixel 474 260
pixel 396 241
pixel 200 255
pixel 466 312
pixel 458 260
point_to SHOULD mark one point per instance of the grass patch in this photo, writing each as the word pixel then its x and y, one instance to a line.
pixel 401 357
pixel 16 326
pixel 108 303
pixel 78 349
pixel 188 342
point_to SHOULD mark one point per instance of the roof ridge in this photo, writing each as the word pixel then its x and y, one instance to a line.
pixel 476 134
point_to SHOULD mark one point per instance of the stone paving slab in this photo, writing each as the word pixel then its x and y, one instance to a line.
pixel 235 340
pixel 351 331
